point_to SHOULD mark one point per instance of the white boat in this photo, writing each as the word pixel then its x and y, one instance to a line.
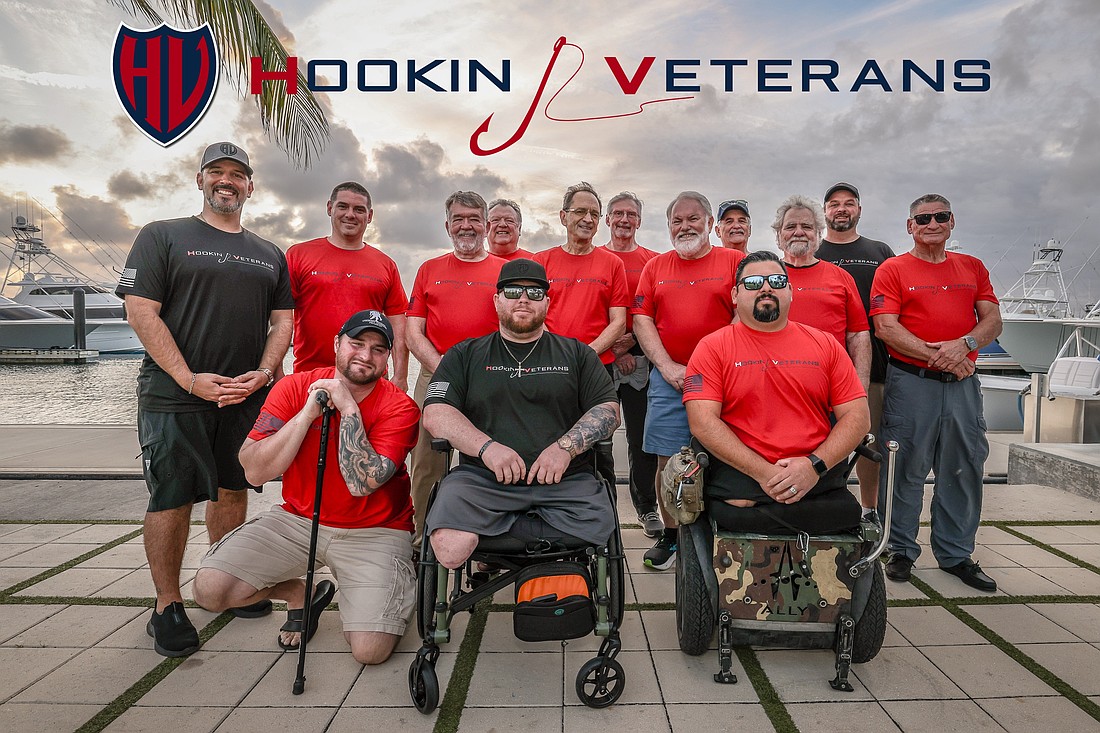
pixel 1037 316
pixel 45 281
pixel 26 327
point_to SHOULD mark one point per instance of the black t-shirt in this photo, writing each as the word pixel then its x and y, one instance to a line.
pixel 528 410
pixel 860 259
pixel 217 291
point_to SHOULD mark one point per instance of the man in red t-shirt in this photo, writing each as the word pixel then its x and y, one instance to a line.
pixel 682 296
pixel 631 367
pixel 823 295
pixel 365 532
pixel 332 277
pixel 759 395
pixel 590 290
pixel 451 302
pixel 934 309
pixel 505 229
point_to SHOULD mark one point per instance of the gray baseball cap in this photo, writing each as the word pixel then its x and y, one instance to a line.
pixel 841 186
pixel 222 151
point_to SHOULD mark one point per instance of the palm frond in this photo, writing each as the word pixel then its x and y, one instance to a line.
pixel 296 122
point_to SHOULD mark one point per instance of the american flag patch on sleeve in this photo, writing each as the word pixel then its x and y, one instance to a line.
pixel 437 390
pixel 639 300
pixel 128 277
pixel 267 424
pixel 693 383
pixel 878 301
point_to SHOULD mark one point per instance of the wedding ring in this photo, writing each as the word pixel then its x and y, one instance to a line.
pixel 794 490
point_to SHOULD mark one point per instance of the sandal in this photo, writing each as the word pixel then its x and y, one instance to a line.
pixel 322 596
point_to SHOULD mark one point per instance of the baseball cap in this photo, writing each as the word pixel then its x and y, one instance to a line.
pixel 370 320
pixel 841 186
pixel 220 151
pixel 522 269
pixel 733 204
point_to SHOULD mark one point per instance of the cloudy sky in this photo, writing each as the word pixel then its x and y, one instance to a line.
pixel 1020 162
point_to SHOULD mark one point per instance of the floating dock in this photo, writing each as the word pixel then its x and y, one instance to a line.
pixel 47 356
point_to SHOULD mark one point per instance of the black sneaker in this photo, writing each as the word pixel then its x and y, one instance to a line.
pixel 662 555
pixel 173 633
pixel 652 524
pixel 899 567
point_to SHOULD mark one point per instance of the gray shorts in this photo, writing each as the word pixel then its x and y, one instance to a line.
pixel 187 456
pixel 470 500
pixel 373 566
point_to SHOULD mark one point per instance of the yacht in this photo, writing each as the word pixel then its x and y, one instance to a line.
pixel 45 281
pixel 26 327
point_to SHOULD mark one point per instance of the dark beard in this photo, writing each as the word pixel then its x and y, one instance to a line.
pixel 846 226
pixel 765 315
pixel 521 329
pixel 356 379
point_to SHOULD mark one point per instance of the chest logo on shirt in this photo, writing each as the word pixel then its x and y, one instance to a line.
pixel 677 283
pixel 224 257
pixel 516 372
pixel 954 286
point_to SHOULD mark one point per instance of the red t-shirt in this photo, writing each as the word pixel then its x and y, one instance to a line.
pixel 582 290
pixel 391 421
pixel 329 284
pixel 633 262
pixel 777 389
pixel 520 252
pixel 934 302
pixel 688 299
pixel 456 298
pixel 825 296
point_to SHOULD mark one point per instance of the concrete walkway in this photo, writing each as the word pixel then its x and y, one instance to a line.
pixel 74 601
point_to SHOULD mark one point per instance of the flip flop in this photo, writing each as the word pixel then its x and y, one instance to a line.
pixel 322 596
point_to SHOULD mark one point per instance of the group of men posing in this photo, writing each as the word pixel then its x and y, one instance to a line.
pixel 777 365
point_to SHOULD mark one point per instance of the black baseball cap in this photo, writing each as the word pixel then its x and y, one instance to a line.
pixel 370 320
pixel 522 269
pixel 733 204
pixel 222 151
pixel 841 186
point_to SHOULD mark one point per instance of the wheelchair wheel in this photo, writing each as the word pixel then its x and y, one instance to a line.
pixel 870 630
pixel 423 685
pixel 425 591
pixel 694 612
pixel 600 682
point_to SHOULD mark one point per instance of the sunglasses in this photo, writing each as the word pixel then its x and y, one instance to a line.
pixel 755 282
pixel 941 217
pixel 513 292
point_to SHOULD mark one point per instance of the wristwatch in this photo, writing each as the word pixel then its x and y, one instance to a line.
pixel 566 444
pixel 270 376
pixel 971 342
pixel 818 464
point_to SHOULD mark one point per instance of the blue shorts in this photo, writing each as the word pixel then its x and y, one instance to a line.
pixel 666 418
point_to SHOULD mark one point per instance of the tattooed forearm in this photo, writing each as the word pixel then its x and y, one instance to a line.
pixel 363 469
pixel 597 424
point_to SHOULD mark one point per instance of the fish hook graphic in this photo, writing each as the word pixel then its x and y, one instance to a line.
pixel 478 150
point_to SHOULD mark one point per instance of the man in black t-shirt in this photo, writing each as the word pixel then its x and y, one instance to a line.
pixel 211 303
pixel 859 257
pixel 524 407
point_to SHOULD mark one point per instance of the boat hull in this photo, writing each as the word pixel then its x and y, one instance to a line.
pixel 1034 342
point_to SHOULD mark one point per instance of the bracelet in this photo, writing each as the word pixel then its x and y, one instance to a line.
pixel 270 376
pixel 481 452
pixel 191 389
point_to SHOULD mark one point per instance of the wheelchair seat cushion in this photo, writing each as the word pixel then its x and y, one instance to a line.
pixel 828 512
pixel 469 499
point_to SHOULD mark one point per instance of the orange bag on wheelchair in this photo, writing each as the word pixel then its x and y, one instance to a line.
pixel 553 602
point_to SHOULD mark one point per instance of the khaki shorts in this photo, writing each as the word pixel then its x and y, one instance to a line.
pixel 373 567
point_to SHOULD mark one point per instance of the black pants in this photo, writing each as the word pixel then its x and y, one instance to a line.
pixel 643 466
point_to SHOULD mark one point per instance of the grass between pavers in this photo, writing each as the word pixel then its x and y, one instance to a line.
pixel 127 699
pixel 954 607
pixel 453 703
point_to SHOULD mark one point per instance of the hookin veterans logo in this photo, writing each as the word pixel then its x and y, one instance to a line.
pixel 165 78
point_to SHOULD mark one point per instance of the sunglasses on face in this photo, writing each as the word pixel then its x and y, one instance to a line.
pixel 513 292
pixel 755 282
pixel 941 217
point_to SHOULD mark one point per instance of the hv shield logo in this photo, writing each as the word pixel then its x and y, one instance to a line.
pixel 165 78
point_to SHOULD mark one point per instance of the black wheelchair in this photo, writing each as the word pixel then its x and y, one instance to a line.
pixel 788 589
pixel 541 562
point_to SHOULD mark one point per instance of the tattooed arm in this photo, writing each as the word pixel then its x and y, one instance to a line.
pixel 597 424
pixel 363 468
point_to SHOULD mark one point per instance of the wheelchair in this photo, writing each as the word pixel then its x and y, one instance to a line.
pixel 787 590
pixel 528 553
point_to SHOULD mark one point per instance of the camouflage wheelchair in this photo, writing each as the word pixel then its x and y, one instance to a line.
pixel 789 590
pixel 566 588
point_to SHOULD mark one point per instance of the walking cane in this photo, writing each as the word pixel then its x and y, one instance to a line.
pixel 326 417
